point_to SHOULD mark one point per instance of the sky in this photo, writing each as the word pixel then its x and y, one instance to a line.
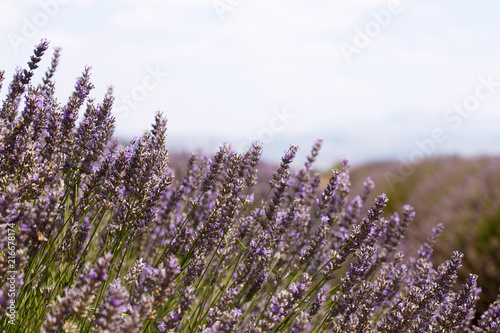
pixel 375 79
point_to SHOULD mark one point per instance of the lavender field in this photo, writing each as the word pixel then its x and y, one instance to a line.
pixel 103 237
pixel 464 196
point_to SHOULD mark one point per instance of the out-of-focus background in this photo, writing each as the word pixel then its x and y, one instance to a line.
pixel 376 79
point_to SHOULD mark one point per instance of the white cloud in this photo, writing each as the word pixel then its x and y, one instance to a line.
pixel 228 75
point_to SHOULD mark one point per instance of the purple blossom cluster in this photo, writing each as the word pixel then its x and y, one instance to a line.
pixel 108 238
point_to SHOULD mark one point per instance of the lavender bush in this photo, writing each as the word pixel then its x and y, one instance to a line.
pixel 102 237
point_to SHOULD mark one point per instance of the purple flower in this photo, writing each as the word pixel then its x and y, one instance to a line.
pixel 70 111
pixel 280 182
pixel 282 304
pixel 78 299
pixel 212 175
pixel 109 316
pixel 358 235
pixel 21 79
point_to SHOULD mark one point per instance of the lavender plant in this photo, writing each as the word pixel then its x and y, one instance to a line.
pixel 99 237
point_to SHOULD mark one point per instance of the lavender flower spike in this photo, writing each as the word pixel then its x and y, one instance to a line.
pixel 109 316
pixel 357 237
pixel 21 79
